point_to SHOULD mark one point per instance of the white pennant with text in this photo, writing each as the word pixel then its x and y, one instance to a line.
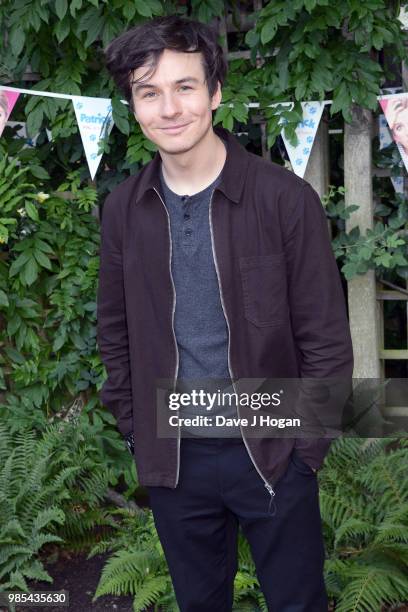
pixel 94 117
pixel 306 132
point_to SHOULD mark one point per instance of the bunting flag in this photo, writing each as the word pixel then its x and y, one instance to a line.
pixel 385 139
pixel 8 99
pixel 95 122
pixel 94 116
pixel 306 133
pixel 395 108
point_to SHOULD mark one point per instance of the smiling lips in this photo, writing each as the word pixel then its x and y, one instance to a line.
pixel 174 128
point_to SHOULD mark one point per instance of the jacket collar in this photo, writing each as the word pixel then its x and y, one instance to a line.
pixel 233 174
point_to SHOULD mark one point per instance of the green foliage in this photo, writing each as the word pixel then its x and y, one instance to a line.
pixel 49 278
pixel 137 565
pixel 14 194
pixel 236 95
pixel 316 49
pixel 364 508
pixel 382 248
pixel 49 266
pixel 50 491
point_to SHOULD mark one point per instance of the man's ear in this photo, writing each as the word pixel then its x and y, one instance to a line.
pixel 216 98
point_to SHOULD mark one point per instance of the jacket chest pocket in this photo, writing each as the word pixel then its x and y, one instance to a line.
pixel 263 279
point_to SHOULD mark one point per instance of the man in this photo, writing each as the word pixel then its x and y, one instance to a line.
pixel 215 264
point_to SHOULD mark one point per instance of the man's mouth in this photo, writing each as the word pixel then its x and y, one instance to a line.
pixel 174 128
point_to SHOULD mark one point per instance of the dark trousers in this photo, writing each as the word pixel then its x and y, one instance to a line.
pixel 197 522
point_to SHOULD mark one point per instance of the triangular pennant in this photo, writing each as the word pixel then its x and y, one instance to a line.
pixel 385 139
pixel 306 133
pixel 94 116
pixel 395 108
pixel 7 102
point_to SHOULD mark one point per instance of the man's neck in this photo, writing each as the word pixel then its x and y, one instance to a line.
pixel 191 172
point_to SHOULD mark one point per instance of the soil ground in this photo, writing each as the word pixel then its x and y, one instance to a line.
pixel 79 576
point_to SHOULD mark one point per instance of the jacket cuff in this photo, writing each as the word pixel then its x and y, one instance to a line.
pixel 130 442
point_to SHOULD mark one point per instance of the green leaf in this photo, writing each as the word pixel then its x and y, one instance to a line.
pixel 268 31
pixel 15 355
pixel 74 5
pixel 120 116
pixel 129 11
pixel 3 298
pixel 42 260
pixel 30 272
pixel 62 29
pixel 94 31
pixel 34 121
pixel 310 5
pixel 384 260
pixel 377 40
pixel 349 270
pixel 39 172
pixel 366 252
pixel 43 246
pixel 252 38
pixel 143 8
pixel 20 262
pixel 341 98
pixel 59 342
pixel 31 210
pixel 16 39
pixel 13 324
pixel 61 8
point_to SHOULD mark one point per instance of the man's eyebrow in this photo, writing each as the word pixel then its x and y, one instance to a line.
pixel 140 86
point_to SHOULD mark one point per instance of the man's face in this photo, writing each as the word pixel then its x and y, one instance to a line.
pixel 400 130
pixel 173 106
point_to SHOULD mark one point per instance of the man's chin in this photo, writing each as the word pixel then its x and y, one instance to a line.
pixel 174 148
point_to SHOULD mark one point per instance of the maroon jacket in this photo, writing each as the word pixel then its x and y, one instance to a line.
pixel 280 290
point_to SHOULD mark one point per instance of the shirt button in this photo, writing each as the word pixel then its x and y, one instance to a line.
pixel 188 232
pixel 186 216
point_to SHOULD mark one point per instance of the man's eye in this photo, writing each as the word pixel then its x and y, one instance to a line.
pixel 185 87
pixel 150 94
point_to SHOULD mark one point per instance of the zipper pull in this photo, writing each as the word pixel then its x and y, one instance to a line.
pixel 272 494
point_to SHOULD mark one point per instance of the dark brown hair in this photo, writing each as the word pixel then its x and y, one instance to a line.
pixel 145 43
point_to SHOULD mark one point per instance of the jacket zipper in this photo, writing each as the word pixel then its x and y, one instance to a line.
pixel 267 485
pixel 172 327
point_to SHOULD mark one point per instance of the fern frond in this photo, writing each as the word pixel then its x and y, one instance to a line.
pixel 353 528
pixel 149 592
pixel 370 587
pixel 124 569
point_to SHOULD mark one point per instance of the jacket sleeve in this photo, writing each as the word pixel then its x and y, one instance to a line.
pixel 318 317
pixel 112 333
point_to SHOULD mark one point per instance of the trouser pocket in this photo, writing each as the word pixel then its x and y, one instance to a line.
pixel 300 465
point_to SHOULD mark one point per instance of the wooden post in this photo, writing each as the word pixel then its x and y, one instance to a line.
pixel 363 310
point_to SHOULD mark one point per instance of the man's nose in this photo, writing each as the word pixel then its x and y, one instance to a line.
pixel 170 106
